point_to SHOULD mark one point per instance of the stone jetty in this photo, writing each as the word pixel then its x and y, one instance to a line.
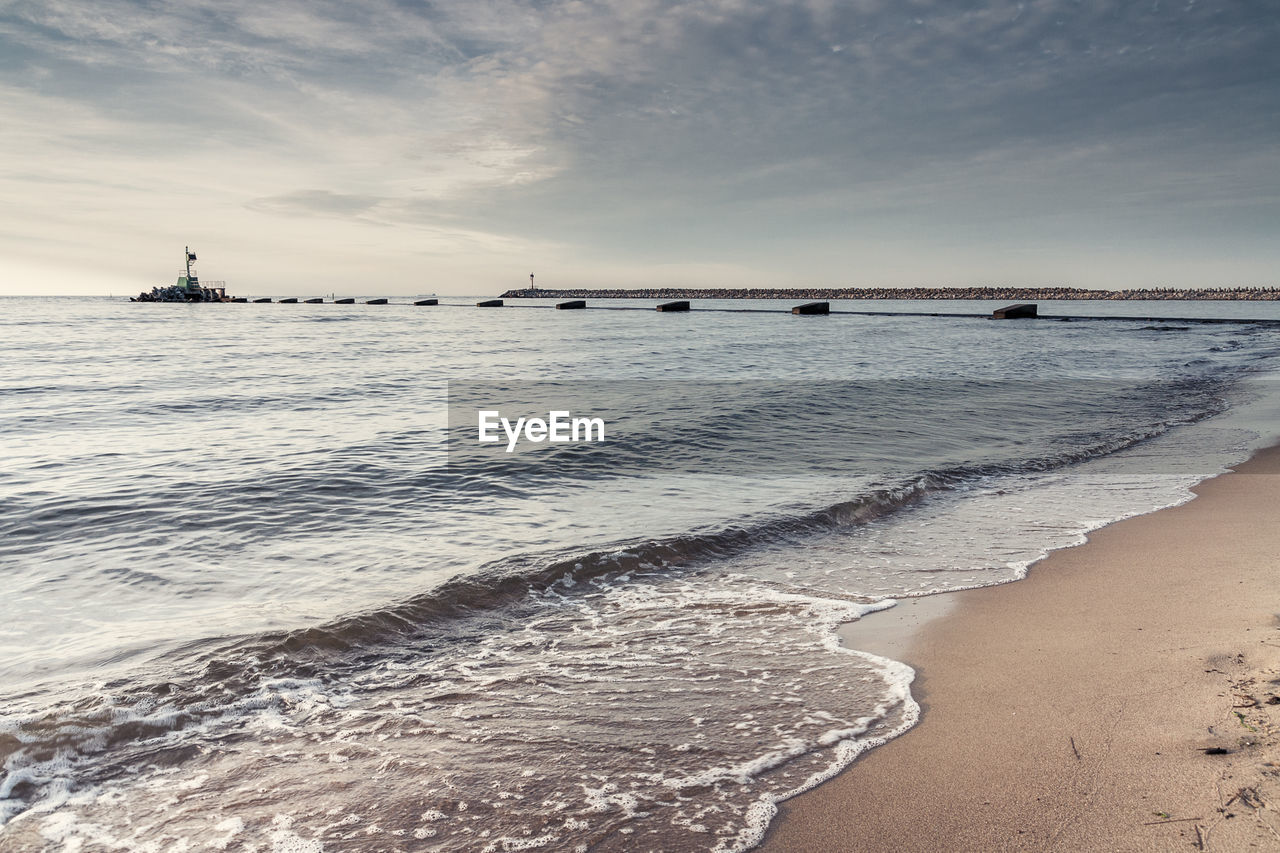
pixel 1010 294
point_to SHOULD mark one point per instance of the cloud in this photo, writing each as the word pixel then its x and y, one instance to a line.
pixel 315 202
pixel 703 129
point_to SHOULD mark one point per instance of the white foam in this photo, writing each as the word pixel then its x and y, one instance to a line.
pixel 277 704
pixel 285 840
pixel 511 845
pixel 231 827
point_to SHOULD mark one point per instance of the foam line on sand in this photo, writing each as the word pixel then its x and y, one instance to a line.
pixel 1124 697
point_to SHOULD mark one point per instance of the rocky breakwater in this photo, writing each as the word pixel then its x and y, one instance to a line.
pixel 994 293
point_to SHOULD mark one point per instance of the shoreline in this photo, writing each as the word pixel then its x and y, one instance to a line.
pixel 1073 709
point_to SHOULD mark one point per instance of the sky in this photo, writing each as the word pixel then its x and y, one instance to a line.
pixel 388 147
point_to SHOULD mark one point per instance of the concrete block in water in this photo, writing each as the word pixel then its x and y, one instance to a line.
pixel 348 301
pixel 292 300
pixel 812 308
pixel 317 301
pixel 262 300
pixel 682 305
pixel 572 303
pixel 376 302
pixel 490 303
pixel 427 302
pixel 1015 312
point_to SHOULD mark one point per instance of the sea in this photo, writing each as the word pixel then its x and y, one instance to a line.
pixel 262 588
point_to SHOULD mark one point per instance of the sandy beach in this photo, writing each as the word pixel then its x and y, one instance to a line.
pixel 1123 697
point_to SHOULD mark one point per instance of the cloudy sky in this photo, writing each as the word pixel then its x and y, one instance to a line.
pixel 397 147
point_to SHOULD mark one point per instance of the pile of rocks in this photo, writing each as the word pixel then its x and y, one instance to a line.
pixel 172 293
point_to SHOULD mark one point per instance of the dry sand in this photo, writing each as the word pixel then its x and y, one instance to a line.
pixel 1073 710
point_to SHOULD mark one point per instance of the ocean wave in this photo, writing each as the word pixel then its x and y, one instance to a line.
pixel 214 680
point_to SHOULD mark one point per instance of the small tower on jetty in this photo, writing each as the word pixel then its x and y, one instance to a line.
pixel 189 282
pixel 532 288
pixel 188 288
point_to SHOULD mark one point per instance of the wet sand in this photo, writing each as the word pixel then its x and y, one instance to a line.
pixel 1124 697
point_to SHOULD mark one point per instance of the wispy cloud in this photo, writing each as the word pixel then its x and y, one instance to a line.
pixel 716 131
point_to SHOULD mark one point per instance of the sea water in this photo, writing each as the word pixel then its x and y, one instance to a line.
pixel 261 589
